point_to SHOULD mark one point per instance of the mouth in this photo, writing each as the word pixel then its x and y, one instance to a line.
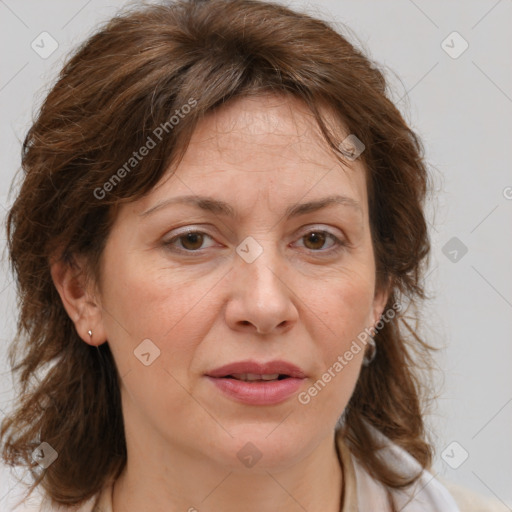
pixel 254 377
pixel 256 383
pixel 254 370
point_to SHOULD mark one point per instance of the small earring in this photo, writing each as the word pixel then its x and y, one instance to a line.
pixel 89 332
pixel 370 354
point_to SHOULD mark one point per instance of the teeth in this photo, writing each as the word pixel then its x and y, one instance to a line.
pixel 249 377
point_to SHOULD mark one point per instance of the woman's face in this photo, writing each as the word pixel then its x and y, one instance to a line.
pixel 261 279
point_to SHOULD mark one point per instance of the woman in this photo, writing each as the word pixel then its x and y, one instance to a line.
pixel 219 230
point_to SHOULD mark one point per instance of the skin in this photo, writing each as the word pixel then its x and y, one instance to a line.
pixel 300 301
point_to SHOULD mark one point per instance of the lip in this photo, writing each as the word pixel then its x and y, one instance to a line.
pixel 261 392
pixel 268 368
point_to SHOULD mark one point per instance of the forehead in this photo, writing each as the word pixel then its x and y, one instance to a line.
pixel 268 145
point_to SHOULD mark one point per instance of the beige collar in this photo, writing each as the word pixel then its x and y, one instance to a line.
pixel 349 492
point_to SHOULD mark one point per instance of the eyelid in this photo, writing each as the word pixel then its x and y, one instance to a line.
pixel 185 231
pixel 340 242
pixel 325 228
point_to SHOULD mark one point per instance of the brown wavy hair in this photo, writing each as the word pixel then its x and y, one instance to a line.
pixel 125 81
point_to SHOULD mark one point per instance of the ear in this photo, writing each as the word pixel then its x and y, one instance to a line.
pixel 79 300
pixel 380 300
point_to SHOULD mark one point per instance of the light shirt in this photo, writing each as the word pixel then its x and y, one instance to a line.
pixel 362 493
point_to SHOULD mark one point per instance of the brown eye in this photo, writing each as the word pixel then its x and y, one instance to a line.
pixel 191 241
pixel 188 242
pixel 315 240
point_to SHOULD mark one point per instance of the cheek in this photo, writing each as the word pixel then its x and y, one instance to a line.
pixel 343 312
pixel 355 306
pixel 345 305
pixel 172 311
pixel 165 305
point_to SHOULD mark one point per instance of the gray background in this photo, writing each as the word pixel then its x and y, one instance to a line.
pixel 462 109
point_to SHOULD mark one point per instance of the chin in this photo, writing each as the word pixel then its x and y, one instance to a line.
pixel 264 447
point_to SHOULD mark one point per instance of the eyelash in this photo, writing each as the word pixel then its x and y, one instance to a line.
pixel 334 250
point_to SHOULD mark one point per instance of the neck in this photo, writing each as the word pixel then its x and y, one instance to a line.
pixel 195 483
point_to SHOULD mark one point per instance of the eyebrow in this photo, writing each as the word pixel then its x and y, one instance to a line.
pixel 218 207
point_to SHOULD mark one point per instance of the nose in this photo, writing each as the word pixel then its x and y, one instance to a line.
pixel 260 300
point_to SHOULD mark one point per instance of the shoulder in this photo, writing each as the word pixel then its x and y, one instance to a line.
pixel 431 490
pixel 428 494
